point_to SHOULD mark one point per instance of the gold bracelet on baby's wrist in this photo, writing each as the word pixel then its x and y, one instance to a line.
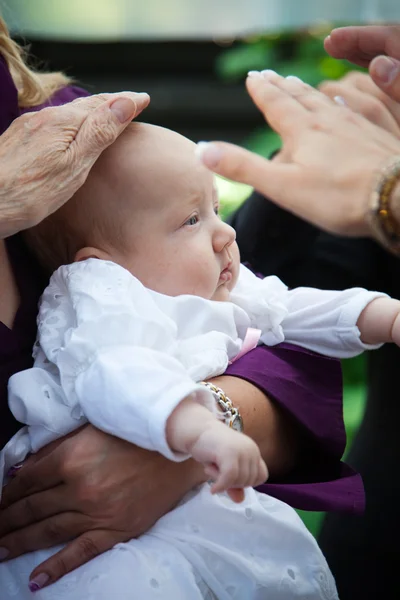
pixel 230 414
pixel 384 226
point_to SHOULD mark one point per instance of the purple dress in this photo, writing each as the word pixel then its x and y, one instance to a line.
pixel 307 386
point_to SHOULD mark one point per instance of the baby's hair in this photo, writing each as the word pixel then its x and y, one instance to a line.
pixel 81 222
pixel 54 241
pixel 98 215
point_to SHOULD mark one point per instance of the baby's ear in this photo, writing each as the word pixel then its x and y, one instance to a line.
pixel 90 252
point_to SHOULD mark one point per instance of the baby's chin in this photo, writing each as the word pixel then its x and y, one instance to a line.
pixel 222 294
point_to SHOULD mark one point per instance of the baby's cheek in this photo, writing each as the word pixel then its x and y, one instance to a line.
pixel 235 277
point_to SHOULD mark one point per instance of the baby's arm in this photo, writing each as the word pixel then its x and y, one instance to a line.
pixel 379 322
pixel 324 321
pixel 230 458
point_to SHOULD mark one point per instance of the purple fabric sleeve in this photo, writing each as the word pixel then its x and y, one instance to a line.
pixel 9 109
pixel 309 388
pixel 61 97
pixel 8 98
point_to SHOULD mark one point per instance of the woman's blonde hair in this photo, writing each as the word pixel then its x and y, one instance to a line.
pixel 33 87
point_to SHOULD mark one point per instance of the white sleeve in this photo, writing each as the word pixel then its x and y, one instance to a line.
pixel 113 350
pixel 325 321
pixel 321 320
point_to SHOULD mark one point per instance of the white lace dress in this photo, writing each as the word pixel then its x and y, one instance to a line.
pixel 118 355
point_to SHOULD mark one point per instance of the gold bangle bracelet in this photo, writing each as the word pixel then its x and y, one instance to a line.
pixel 229 413
pixel 382 222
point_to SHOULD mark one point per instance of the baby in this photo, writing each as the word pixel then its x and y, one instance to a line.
pixel 148 300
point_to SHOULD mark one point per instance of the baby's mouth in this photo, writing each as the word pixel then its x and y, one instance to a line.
pixel 226 274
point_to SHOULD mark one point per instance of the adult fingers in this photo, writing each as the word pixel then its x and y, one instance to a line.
pixel 106 122
pixel 45 534
pixel 361 44
pixel 76 553
pixel 34 508
pixel 365 103
pixel 90 103
pixel 240 165
pixel 385 72
pixel 286 103
pixel 365 83
pixel 280 109
pixel 34 477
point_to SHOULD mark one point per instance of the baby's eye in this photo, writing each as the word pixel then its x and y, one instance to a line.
pixel 192 220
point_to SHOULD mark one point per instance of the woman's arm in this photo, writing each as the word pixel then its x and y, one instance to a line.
pixel 270 427
pixel 102 490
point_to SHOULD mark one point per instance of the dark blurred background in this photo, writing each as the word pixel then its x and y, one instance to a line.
pixel 190 55
pixel 188 95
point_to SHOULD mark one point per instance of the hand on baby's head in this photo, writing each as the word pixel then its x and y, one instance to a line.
pixel 150 206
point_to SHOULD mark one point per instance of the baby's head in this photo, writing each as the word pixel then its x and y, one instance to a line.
pixel 150 206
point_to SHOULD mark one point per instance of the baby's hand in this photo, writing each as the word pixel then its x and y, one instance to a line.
pixel 230 458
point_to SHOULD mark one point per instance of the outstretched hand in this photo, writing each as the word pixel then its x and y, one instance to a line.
pixel 332 156
pixel 376 47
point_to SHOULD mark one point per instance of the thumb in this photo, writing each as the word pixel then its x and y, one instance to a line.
pixel 106 122
pixel 385 72
pixel 244 166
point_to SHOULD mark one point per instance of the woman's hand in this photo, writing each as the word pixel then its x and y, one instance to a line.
pixel 374 46
pixel 93 489
pixel 46 156
pixel 362 95
pixel 98 490
pixel 332 155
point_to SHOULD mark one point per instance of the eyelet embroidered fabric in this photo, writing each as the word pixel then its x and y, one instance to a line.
pixel 102 337
pixel 207 548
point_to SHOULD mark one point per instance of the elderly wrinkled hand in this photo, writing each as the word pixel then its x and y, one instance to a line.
pixel 46 156
pixel 332 155
pixel 373 46
pixel 362 95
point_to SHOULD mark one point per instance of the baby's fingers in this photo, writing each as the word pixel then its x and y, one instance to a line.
pixel 227 478
pixel 211 471
pixel 263 474
pixel 236 494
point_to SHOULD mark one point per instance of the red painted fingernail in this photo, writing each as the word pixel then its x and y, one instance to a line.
pixel 14 469
pixel 38 582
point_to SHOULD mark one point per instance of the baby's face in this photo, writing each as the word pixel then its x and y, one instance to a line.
pixel 176 242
